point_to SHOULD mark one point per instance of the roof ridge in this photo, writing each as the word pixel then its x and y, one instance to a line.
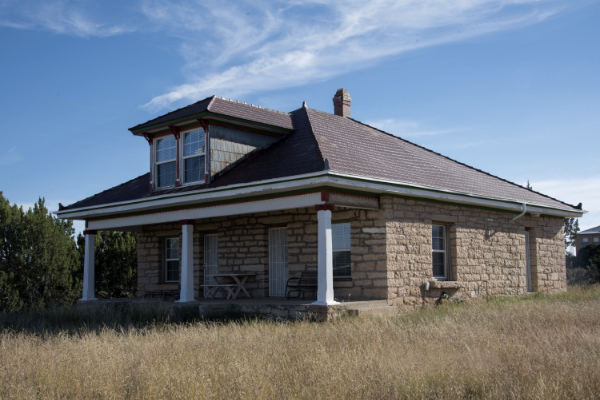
pixel 313 133
pixel 104 191
pixel 451 159
pixel 251 105
pixel 210 103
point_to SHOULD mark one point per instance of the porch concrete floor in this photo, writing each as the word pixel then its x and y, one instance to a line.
pixel 274 307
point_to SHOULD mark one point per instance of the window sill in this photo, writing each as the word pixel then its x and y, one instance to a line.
pixel 446 284
pixel 160 189
pixel 345 282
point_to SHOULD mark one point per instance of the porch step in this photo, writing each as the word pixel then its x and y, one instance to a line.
pixel 387 311
pixel 377 307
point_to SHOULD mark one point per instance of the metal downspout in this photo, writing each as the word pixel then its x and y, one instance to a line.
pixel 523 213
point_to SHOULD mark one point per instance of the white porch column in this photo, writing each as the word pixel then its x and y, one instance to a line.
pixel 88 266
pixel 187 261
pixel 325 256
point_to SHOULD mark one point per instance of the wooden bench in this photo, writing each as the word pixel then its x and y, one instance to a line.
pixel 307 282
pixel 230 283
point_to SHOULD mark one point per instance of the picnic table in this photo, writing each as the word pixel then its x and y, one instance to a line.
pixel 230 283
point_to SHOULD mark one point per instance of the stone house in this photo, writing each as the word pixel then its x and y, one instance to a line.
pixel 237 187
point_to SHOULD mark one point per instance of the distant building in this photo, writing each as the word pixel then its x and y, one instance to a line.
pixel 588 237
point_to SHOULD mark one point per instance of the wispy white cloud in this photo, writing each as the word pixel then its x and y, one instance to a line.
pixel 10 157
pixel 573 191
pixel 59 16
pixel 233 49
pixel 406 128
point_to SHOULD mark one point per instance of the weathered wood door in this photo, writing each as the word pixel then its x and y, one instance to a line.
pixel 528 262
pixel 211 258
pixel 278 261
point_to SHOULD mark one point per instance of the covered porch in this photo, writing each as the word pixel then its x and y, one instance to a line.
pixel 245 230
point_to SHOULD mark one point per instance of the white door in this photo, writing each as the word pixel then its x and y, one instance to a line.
pixel 528 262
pixel 278 261
pixel 211 258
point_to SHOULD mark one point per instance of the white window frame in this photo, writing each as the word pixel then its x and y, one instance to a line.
pixel 183 157
pixel 349 249
pixel 445 277
pixel 157 163
pixel 166 241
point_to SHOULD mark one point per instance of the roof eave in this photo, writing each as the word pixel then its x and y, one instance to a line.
pixel 328 178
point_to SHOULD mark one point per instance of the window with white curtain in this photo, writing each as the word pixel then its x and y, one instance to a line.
pixel 342 265
pixel 439 247
pixel 172 260
pixel 193 156
pixel 166 153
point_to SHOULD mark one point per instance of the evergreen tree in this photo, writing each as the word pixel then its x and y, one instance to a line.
pixel 589 258
pixel 38 258
pixel 115 263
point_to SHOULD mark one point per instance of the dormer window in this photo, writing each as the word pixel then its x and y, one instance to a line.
pixel 193 156
pixel 166 163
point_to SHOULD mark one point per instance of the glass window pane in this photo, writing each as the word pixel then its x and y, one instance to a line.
pixel 596 240
pixel 166 174
pixel 193 143
pixel 585 240
pixel 194 169
pixel 438 237
pixel 166 149
pixel 439 260
pixel 172 249
pixel 340 236
pixel 342 264
pixel 172 271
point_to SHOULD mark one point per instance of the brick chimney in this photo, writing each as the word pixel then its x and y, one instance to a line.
pixel 341 103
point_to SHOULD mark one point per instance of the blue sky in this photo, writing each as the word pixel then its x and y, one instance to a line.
pixel 509 87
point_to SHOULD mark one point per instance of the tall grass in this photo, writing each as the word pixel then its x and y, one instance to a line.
pixel 538 347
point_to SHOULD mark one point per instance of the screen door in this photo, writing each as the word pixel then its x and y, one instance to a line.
pixel 211 258
pixel 278 261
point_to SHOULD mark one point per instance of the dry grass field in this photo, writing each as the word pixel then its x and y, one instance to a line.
pixel 537 347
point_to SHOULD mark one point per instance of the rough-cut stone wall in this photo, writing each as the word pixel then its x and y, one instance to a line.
pixel 151 273
pixel 487 251
pixel 367 234
pixel 391 251
pixel 243 247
